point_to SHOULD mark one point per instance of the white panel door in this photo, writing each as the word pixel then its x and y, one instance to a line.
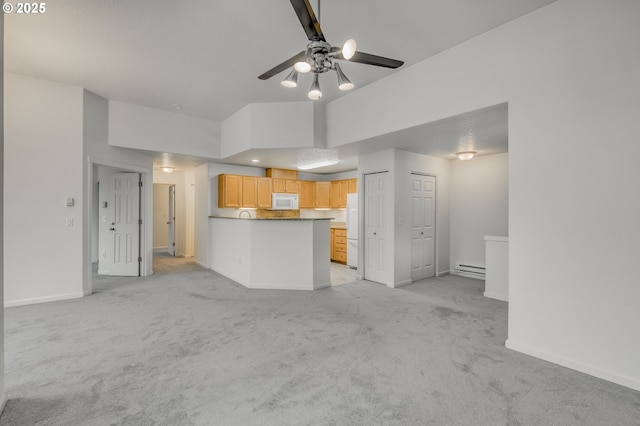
pixel 125 227
pixel 376 195
pixel 172 220
pixel 423 202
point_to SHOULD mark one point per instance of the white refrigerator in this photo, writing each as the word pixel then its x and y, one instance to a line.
pixel 352 230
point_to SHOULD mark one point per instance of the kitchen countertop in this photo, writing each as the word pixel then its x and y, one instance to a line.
pixel 338 225
pixel 267 218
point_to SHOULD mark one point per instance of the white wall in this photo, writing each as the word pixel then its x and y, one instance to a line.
pixel 569 74
pixel 201 205
pixel 405 164
pixel 479 206
pixel 96 151
pixel 46 164
pixel 400 164
pixel 43 166
pixel 160 216
pixel 183 180
pixel 272 125
pixel 3 395
pixel 133 126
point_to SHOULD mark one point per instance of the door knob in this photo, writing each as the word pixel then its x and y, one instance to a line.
pixel 422 233
pixel 375 233
pixel 112 229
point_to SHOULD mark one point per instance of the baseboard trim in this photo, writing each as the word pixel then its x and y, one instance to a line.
pixel 45 299
pixel 591 370
pixel 400 284
pixel 201 264
pixel 3 403
pixel 496 296
pixel 443 273
pixel 161 248
pixel 322 285
pixel 462 274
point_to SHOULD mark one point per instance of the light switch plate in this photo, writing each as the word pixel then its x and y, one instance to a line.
pixel 70 201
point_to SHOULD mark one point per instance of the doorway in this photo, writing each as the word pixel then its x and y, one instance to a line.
pixel 423 214
pixel 120 222
pixel 376 196
pixel 164 219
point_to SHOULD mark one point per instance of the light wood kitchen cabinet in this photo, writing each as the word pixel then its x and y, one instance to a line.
pixel 249 191
pixel 353 186
pixel 285 186
pixel 229 191
pixel 331 240
pixel 323 195
pixel 339 190
pixel 335 194
pixel 306 200
pixel 339 245
pixel 265 188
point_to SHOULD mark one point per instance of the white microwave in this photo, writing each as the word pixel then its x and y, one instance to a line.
pixel 284 201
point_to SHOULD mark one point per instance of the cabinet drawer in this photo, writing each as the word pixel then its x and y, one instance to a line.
pixel 339 239
pixel 340 248
pixel 341 257
pixel 340 232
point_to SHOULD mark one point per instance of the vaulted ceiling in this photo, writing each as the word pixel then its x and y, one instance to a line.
pixel 205 56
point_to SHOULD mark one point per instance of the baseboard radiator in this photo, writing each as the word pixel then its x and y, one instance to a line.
pixel 472 271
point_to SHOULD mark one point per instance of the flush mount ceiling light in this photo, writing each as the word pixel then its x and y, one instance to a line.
pixel 320 57
pixel 167 169
pixel 317 164
pixel 314 158
pixel 466 155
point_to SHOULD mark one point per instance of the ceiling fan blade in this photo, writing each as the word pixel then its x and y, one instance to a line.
pixel 308 19
pixel 283 66
pixel 369 59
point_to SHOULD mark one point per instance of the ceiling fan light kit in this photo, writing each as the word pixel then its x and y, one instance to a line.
pixel 315 93
pixel 320 56
pixel 291 80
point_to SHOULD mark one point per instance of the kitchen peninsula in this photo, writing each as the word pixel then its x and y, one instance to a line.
pixel 271 253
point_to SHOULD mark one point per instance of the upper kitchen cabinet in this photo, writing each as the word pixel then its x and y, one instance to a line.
pixel 249 191
pixel 230 191
pixel 236 191
pixel 323 195
pixel 353 186
pixel 285 186
pixel 306 199
pixel 265 188
pixel 339 190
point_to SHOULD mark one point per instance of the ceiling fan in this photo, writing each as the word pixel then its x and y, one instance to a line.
pixel 320 56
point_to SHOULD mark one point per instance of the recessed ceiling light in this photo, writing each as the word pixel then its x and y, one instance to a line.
pixel 255 160
pixel 167 169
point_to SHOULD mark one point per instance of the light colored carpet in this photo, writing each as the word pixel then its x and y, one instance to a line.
pixel 194 348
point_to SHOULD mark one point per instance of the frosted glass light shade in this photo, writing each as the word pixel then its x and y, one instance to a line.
pixel 343 82
pixel 317 164
pixel 302 66
pixel 315 93
pixel 349 49
pixel 465 155
pixel 291 80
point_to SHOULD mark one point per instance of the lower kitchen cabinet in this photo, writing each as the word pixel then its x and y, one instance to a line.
pixel 339 245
